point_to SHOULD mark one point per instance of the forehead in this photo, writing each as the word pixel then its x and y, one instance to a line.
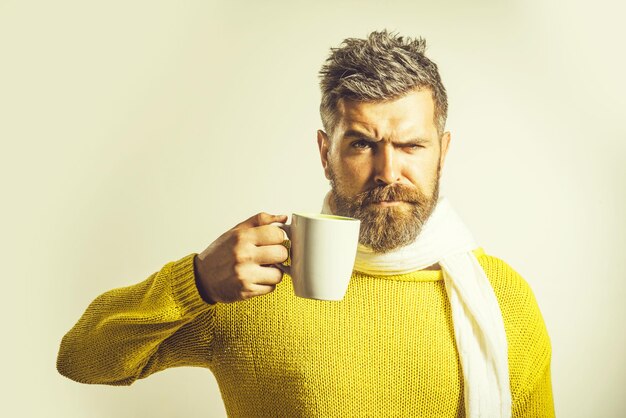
pixel 412 113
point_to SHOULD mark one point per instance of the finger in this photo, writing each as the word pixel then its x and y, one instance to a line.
pixel 270 254
pixel 267 235
pixel 259 290
pixel 260 219
pixel 267 276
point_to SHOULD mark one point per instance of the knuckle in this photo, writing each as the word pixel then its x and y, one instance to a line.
pixel 245 295
pixel 265 218
pixel 239 270
pixel 280 234
pixel 239 236
pixel 241 257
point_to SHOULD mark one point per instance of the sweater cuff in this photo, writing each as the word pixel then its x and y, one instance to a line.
pixel 184 290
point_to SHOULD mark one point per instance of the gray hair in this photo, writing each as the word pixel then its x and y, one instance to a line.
pixel 383 66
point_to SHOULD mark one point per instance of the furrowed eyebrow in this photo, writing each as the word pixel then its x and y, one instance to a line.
pixel 351 133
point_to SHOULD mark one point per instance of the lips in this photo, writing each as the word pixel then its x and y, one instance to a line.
pixel 388 202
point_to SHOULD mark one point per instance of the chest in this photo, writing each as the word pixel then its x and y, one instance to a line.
pixel 387 343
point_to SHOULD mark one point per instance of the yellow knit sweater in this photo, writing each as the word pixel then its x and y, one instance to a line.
pixel 387 349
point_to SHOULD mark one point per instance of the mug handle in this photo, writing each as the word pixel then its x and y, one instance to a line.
pixel 285 269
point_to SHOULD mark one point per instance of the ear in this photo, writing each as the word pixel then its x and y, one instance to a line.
pixel 323 143
pixel 445 141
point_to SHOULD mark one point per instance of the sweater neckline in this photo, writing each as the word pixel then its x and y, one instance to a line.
pixel 418 275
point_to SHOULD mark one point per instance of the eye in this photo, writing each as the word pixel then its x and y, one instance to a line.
pixel 361 144
pixel 413 147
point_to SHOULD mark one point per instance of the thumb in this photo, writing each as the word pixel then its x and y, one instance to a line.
pixel 260 219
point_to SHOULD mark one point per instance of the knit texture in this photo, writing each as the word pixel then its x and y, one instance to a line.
pixel 387 349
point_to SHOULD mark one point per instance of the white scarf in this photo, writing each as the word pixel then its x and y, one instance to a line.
pixel 478 325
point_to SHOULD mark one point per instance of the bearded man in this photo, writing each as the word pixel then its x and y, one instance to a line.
pixel 430 326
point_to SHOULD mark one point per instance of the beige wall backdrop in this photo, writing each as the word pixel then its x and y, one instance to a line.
pixel 136 132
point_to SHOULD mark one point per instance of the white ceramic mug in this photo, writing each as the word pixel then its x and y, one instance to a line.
pixel 323 250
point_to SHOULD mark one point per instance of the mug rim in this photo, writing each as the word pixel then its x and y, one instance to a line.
pixel 323 216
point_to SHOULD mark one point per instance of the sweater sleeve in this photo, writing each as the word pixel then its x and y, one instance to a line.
pixel 534 390
pixel 538 402
pixel 529 346
pixel 131 332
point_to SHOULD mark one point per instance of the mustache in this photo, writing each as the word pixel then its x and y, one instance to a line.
pixel 387 193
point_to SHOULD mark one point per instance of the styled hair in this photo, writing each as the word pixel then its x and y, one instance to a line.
pixel 384 66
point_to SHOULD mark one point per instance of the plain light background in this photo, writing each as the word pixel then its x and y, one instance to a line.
pixel 136 132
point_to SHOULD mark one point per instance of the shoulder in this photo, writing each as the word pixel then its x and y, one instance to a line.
pixel 511 289
pixel 516 298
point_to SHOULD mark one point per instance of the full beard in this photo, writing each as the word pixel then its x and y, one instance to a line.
pixel 385 228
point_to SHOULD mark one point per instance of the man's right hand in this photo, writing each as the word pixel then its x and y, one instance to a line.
pixel 236 265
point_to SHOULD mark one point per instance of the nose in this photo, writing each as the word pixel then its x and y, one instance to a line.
pixel 387 170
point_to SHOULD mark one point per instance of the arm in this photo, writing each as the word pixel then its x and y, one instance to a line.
pixel 168 320
pixel 129 333
pixel 538 401
pixel 534 392
pixel 534 395
pixel 529 345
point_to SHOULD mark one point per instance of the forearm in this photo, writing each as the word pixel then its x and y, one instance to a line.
pixel 127 333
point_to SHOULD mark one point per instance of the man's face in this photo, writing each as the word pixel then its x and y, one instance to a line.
pixel 384 162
